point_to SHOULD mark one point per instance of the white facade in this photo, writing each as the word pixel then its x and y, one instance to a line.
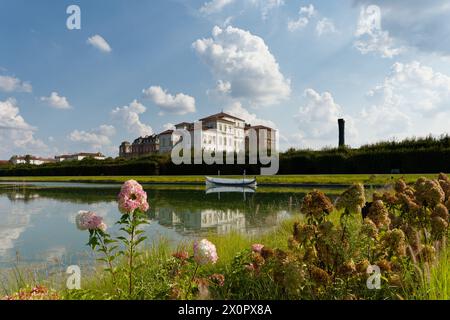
pixel 33 160
pixel 167 140
pixel 79 157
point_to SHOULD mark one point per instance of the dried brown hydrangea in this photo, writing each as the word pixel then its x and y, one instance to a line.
pixel 369 228
pixel 379 214
pixel 427 253
pixel 441 211
pixel 395 242
pixel 352 199
pixel 429 192
pixel 348 268
pixel 400 186
pixel 304 232
pixel 384 265
pixel 316 205
pixel 438 227
pixel 320 276
pixel 362 266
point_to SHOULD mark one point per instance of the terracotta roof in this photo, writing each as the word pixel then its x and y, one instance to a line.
pixel 4 162
pixel 222 115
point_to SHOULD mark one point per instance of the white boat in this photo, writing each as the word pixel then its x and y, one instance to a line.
pixel 227 189
pixel 231 182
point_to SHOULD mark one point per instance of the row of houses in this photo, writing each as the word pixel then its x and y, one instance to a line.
pixel 220 132
pixel 29 159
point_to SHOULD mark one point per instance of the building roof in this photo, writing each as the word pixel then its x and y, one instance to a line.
pixel 221 115
pixel 2 162
pixel 258 127
pixel 166 132
pixel 184 122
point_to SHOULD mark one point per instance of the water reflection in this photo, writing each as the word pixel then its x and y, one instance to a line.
pixel 38 222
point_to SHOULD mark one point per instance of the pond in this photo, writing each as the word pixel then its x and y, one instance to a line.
pixel 37 220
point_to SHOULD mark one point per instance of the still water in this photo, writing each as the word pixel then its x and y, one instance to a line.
pixel 37 220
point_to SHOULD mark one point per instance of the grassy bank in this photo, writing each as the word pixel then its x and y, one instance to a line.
pixel 154 282
pixel 337 179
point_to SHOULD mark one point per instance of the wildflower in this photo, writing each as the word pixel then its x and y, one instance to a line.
pixel 257 247
pixel 395 240
pixel 267 253
pixel 348 267
pixel 369 228
pixel 205 252
pixel 384 265
pixel 362 266
pixel 447 204
pixel 445 185
pixel 427 253
pixel 320 276
pixel 379 214
pixel 181 255
pixel 438 227
pixel 131 197
pixel 218 279
pixel 292 243
pixel 353 199
pixel 316 205
pixel 395 280
pixel 443 177
pixel 326 227
pixel 441 211
pixel 36 293
pixel 88 220
pixel 400 186
pixel 429 192
pixel 304 232
pixel 310 254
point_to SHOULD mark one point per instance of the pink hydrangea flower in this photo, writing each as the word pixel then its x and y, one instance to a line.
pixel 257 247
pixel 131 197
pixel 205 252
pixel 88 220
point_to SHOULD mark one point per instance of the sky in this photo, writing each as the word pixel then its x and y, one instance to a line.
pixel 139 67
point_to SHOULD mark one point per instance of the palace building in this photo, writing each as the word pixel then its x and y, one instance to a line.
pixel 221 132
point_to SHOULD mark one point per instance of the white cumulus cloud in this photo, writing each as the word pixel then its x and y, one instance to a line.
pixel 16 135
pixel 56 101
pixel 236 109
pixel 305 14
pixel 317 120
pixel 370 37
pixel 12 84
pixel 128 116
pixel 98 42
pixel 214 6
pixel 325 26
pixel 244 63
pixel 96 139
pixel 175 104
pixel 412 100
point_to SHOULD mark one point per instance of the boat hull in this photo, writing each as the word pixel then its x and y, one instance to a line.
pixel 231 182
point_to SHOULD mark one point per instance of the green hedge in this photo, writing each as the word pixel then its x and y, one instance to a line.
pixel 426 155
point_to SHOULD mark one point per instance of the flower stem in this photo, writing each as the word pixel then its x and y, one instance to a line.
pixel 192 279
pixel 131 253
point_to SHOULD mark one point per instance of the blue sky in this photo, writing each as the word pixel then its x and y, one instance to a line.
pixel 136 67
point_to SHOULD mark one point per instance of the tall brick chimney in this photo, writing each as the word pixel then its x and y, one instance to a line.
pixel 341 124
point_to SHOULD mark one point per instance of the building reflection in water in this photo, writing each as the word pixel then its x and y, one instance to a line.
pixel 189 221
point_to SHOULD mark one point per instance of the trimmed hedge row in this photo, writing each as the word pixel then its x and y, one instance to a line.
pixel 427 155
